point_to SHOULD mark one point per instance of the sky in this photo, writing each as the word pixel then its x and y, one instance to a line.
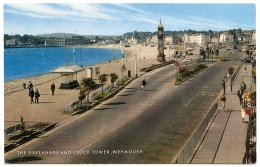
pixel 114 18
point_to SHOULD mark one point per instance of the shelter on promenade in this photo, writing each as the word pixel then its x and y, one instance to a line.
pixel 68 76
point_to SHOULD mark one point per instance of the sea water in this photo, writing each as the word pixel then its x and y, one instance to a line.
pixel 26 62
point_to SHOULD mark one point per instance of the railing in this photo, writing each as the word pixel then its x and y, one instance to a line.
pixel 250 154
pixel 20 84
pixel 187 151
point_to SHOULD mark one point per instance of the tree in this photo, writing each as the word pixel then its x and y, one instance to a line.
pixel 81 96
pixel 102 79
pixel 113 78
pixel 22 125
pixel 86 86
pixel 231 69
pixel 217 51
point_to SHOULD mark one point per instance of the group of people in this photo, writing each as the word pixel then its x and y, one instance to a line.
pixel 36 94
pixel 241 93
pixel 33 93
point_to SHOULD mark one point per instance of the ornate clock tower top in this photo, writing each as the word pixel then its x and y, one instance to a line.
pixel 160 36
pixel 160 25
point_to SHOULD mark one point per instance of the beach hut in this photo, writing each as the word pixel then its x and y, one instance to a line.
pixel 68 76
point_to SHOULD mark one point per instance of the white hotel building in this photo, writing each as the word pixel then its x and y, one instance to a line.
pixel 168 40
pixel 198 38
pixel 226 38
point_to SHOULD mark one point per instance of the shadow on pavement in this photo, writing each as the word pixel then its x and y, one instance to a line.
pixel 149 90
pixel 116 103
pixel 126 95
pixel 23 159
pixel 103 109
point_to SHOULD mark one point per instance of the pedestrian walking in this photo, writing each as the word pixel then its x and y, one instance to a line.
pixel 37 95
pixel 245 73
pixel 244 100
pixel 224 86
pixel 223 99
pixel 143 84
pixel 30 86
pixel 52 88
pixel 31 95
pixel 243 86
pixel 240 93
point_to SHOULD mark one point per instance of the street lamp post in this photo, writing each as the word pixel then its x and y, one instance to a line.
pixel 80 57
pixel 135 68
pixel 67 40
pixel 212 53
pixel 122 53
pixel 169 53
pixel 135 60
pixel 123 68
pixel 140 52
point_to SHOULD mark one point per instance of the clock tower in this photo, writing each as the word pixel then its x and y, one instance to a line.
pixel 160 36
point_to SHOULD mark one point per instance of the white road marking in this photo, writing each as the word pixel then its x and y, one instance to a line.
pixel 90 144
pixel 116 127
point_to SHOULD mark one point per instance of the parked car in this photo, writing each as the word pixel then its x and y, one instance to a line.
pixel 177 56
pixel 182 69
pixel 223 59
pixel 186 60
pixel 246 60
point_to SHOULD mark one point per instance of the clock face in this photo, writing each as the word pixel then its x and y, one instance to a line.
pixel 160 50
pixel 160 32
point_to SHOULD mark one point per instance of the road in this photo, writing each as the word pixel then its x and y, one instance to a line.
pixel 148 126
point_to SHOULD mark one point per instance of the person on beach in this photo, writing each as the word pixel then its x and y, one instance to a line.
pixel 30 86
pixel 223 99
pixel 31 95
pixel 37 95
pixel 143 84
pixel 52 88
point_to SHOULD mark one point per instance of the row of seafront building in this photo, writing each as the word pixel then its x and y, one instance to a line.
pixel 195 38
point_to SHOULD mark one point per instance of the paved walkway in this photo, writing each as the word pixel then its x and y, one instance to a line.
pixel 224 143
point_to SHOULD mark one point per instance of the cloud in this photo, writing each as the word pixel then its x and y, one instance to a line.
pixel 83 12
pixel 34 10
pixel 108 17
